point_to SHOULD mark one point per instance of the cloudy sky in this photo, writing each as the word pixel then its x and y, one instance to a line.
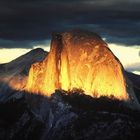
pixel 26 24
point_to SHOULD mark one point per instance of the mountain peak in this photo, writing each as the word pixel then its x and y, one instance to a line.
pixel 80 60
pixel 37 50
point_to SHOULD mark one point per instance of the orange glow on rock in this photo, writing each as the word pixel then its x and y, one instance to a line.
pixel 14 82
pixel 80 60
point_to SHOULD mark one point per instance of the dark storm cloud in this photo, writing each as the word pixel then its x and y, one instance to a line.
pixel 29 21
pixel 22 44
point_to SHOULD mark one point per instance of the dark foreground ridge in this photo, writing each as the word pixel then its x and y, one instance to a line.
pixel 63 116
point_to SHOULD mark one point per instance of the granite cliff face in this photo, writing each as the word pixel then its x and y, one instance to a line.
pixel 79 60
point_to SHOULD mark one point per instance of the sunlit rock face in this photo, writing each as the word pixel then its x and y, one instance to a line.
pixel 79 60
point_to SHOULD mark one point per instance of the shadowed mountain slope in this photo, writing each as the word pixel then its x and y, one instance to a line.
pixel 15 72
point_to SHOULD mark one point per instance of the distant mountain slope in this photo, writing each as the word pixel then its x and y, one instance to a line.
pixel 23 63
pixel 135 79
pixel 15 72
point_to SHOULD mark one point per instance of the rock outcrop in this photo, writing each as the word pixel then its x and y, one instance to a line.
pixel 26 116
pixel 80 60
